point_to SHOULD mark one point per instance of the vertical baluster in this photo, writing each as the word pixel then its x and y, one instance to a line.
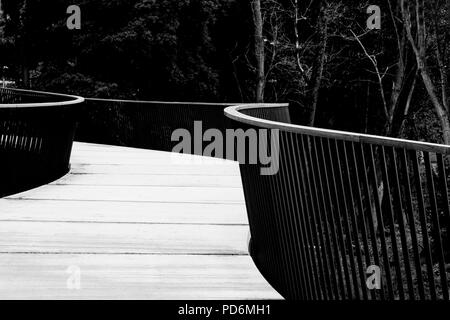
pixel 372 218
pixel 264 209
pixel 391 223
pixel 423 224
pixel 446 210
pixel 439 252
pixel 314 245
pixel 299 210
pixel 318 189
pixel 359 201
pixel 286 190
pixel 380 223
pixel 346 222
pixel 274 227
pixel 354 224
pixel 282 228
pixel 307 215
pixel 330 215
pixel 326 214
pixel 317 237
pixel 294 190
pixel 301 221
pixel 401 223
pixel 338 220
pixel 412 224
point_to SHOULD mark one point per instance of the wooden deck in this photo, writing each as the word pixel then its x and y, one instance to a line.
pixel 137 224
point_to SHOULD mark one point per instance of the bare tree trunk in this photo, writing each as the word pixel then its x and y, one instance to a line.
pixel 297 43
pixel 408 104
pixel 401 68
pixel 21 39
pixel 380 77
pixel 440 110
pixel 398 86
pixel 24 64
pixel 419 48
pixel 236 78
pixel 317 75
pixel 440 56
pixel 259 50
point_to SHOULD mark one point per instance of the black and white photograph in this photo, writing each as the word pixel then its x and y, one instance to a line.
pixel 246 152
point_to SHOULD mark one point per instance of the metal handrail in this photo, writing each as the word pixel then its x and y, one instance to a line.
pixel 36 136
pixel 184 103
pixel 146 124
pixel 235 113
pixel 68 99
pixel 340 205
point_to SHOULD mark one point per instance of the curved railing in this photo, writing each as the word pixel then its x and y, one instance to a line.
pixel 348 216
pixel 37 129
pixel 150 124
pixel 145 124
pixel 36 136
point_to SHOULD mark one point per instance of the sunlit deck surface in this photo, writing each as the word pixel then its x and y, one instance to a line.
pixel 139 224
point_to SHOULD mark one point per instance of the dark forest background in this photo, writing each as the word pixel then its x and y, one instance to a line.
pixel 318 55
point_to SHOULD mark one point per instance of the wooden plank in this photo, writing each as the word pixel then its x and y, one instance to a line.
pixel 122 155
pixel 136 194
pixel 79 146
pixel 150 180
pixel 58 237
pixel 99 159
pixel 127 212
pixel 143 159
pixel 31 276
pixel 169 169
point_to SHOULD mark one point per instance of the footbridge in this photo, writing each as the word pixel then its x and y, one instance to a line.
pixel 95 205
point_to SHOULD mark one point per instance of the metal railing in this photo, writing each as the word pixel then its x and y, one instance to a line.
pixel 343 206
pixel 150 124
pixel 145 124
pixel 36 135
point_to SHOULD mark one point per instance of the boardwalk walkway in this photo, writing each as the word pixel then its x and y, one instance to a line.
pixel 137 224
